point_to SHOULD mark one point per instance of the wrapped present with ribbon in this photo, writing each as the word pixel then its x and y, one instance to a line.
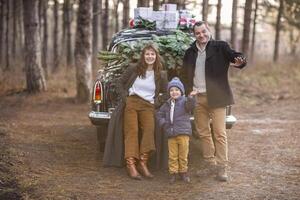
pixel 143 12
pixel 165 19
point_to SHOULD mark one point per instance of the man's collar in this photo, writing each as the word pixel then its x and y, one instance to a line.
pixel 199 48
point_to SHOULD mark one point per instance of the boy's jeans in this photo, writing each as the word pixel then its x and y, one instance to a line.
pixel 214 151
pixel 178 154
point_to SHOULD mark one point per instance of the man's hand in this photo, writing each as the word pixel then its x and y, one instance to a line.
pixel 238 61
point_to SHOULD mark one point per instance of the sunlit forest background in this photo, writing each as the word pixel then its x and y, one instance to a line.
pixel 264 30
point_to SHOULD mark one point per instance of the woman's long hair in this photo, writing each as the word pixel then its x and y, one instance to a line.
pixel 142 65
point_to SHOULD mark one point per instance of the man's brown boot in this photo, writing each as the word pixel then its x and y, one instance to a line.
pixel 142 166
pixel 131 169
pixel 222 174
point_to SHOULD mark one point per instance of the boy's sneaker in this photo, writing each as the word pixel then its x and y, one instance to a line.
pixel 222 174
pixel 185 177
pixel 172 178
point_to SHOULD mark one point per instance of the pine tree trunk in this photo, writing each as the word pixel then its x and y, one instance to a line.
pixel 83 50
pixel 45 38
pixel 40 14
pixel 143 3
pixel 68 33
pixel 247 24
pixel 181 4
pixel 20 25
pixel 156 5
pixel 105 25
pixel 7 64
pixel 34 72
pixel 254 30
pixel 278 28
pixel 126 13
pixel 15 35
pixel 218 21
pixel 96 14
pixel 1 28
pixel 116 15
pixel 205 10
pixel 234 23
pixel 64 32
pixel 55 37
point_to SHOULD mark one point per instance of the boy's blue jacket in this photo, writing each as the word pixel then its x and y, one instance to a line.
pixel 181 118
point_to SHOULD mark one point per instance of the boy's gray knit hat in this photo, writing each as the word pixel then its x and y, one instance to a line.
pixel 175 82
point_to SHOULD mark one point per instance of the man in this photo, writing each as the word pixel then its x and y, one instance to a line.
pixel 205 71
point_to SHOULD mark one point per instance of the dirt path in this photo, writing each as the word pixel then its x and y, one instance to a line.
pixel 56 156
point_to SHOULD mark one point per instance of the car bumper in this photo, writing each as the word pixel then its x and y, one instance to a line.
pixel 100 118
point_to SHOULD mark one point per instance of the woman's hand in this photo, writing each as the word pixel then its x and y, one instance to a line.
pixel 193 93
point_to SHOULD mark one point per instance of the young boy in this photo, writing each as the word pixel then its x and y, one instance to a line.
pixel 174 118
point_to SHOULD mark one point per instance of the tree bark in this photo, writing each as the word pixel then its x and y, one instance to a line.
pixel 234 23
pixel 45 38
pixel 96 13
pixel 68 33
pixel 143 3
pixel 7 64
pixel 294 38
pixel 40 14
pixel 278 28
pixel 116 7
pixel 218 21
pixel 205 10
pixel 247 24
pixel 64 32
pixel 104 21
pixel 156 5
pixel 15 35
pixel 181 5
pixel 55 37
pixel 20 30
pixel 254 30
pixel 1 28
pixel 126 13
pixel 83 50
pixel 34 72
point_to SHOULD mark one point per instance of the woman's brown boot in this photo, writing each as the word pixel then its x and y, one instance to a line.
pixel 142 166
pixel 131 169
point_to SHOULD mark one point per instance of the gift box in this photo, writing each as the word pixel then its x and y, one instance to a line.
pixel 158 15
pixel 143 12
pixel 169 7
pixel 164 24
pixel 165 19
pixel 165 15
pixel 185 14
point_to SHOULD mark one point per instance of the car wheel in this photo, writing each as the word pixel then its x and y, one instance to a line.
pixel 101 136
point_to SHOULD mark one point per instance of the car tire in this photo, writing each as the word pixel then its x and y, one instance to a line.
pixel 101 136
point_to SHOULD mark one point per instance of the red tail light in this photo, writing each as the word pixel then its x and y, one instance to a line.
pixel 98 92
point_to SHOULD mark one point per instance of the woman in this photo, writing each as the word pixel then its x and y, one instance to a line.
pixel 140 87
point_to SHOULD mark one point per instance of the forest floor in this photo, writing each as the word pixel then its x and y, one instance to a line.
pixel 49 149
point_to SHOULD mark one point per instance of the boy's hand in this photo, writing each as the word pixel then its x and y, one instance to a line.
pixel 193 93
